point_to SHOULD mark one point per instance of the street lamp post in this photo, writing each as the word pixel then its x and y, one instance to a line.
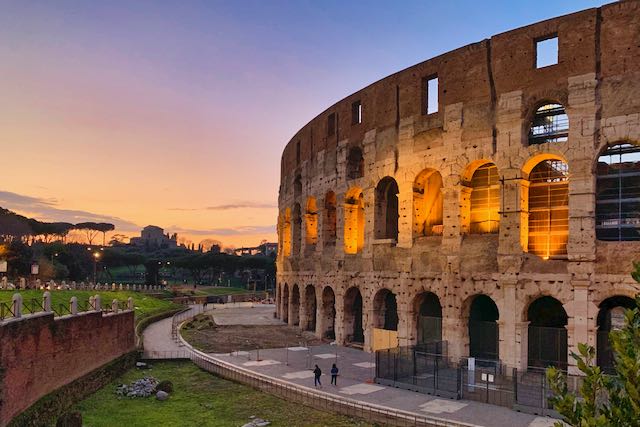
pixel 96 256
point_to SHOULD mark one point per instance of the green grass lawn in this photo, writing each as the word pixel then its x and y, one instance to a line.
pixel 145 305
pixel 198 399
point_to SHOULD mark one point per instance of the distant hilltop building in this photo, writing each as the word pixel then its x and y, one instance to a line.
pixel 264 249
pixel 153 237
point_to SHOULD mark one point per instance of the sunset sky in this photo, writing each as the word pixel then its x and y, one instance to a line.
pixel 176 113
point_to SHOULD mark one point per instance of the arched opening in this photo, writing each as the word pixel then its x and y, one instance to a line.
pixel 547 343
pixel 483 328
pixel 311 223
pixel 286 233
pixel 386 209
pixel 549 209
pixel 285 303
pixel 295 305
pixel 429 318
pixel 610 318
pixel 385 310
pixel 329 223
pixel 296 229
pixel 355 163
pixel 354 331
pixel 310 307
pixel 297 186
pixel 484 200
pixel 618 193
pixel 328 313
pixel 550 124
pixel 354 221
pixel 427 204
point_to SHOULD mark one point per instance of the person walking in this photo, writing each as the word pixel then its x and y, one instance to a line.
pixel 334 375
pixel 316 376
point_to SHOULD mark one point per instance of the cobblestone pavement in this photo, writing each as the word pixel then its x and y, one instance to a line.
pixel 357 369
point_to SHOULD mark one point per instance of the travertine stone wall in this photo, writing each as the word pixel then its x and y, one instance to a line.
pixel 488 92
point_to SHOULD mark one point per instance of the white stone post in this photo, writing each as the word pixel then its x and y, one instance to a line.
pixel 120 286
pixel 46 302
pixel 17 305
pixel 113 286
pixel 130 305
pixel 73 303
pixel 97 301
pixel 114 306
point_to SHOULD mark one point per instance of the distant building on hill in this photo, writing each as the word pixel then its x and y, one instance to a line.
pixel 264 249
pixel 153 237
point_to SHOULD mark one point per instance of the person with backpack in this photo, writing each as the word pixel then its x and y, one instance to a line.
pixel 316 376
pixel 334 375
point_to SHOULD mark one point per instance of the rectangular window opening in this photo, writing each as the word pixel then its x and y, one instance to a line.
pixel 431 95
pixel 547 51
pixel 356 113
pixel 331 124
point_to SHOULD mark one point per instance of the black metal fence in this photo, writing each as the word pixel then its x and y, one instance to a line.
pixel 427 369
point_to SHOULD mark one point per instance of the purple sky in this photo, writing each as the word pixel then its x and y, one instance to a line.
pixel 176 113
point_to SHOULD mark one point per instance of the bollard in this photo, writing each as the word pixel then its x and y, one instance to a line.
pixel 98 305
pixel 46 302
pixel 17 305
pixel 114 306
pixel 73 304
pixel 130 303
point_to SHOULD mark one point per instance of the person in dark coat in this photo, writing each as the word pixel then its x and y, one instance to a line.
pixel 316 376
pixel 334 375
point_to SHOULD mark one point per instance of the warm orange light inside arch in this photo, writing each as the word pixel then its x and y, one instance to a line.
pixel 311 222
pixel 353 221
pixel 427 204
pixel 484 199
pixel 548 208
pixel 286 233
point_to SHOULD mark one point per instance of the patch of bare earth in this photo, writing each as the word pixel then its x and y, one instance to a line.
pixel 205 335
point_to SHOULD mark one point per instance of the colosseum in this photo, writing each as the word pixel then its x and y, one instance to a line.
pixel 487 198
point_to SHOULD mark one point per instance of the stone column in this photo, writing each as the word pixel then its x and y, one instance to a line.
pixel 522 345
pixel 578 322
pixel 405 211
pixel 339 323
pixel 340 225
pixel 509 317
pixel 404 322
pixel 302 313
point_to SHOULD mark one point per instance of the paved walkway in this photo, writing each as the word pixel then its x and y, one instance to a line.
pixel 357 368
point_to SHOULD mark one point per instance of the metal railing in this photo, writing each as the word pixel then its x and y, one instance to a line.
pixel 299 394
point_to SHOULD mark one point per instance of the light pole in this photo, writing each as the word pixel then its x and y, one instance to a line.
pixel 96 257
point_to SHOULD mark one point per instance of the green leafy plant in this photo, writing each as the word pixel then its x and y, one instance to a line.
pixel 604 400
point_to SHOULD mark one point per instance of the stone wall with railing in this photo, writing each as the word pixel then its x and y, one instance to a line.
pixel 43 350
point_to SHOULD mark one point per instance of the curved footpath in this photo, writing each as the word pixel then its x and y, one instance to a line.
pixel 291 368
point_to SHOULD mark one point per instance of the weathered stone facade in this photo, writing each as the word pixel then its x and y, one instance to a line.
pixel 488 93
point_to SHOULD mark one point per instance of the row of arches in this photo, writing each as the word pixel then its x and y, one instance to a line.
pixel 544 194
pixel 546 336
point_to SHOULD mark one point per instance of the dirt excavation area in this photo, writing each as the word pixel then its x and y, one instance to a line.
pixel 206 333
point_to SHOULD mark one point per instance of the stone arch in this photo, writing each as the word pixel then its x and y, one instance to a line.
pixel 353 316
pixel 311 223
pixel 296 229
pixel 548 123
pixel 297 186
pixel 310 306
pixel 385 310
pixel 329 223
pixel 483 327
pixel 480 198
pixel 610 317
pixel 547 343
pixel 285 303
pixel 546 191
pixel 617 216
pixel 328 313
pixel 286 233
pixel 354 219
pixel 427 311
pixel 427 204
pixel 355 163
pixel 294 309
pixel 386 209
